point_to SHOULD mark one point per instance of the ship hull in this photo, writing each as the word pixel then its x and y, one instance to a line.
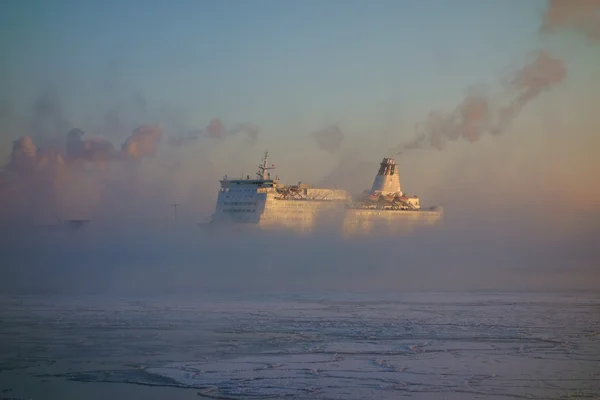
pixel 267 204
pixel 367 221
pixel 300 215
pixel 306 217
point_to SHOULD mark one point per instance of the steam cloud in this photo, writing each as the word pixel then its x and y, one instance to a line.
pixel 81 177
pixel 94 149
pixel 249 129
pixel 329 139
pixel 352 172
pixel 582 16
pixel 216 130
pixel 23 154
pixel 476 115
pixel 143 141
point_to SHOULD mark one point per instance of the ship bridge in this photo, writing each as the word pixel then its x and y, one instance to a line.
pixel 262 180
pixel 246 183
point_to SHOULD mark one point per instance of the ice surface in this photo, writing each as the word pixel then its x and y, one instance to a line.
pixel 426 345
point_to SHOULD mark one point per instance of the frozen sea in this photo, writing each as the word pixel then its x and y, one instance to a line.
pixel 315 346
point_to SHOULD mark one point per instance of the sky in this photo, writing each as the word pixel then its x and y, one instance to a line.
pixel 229 79
pixel 290 68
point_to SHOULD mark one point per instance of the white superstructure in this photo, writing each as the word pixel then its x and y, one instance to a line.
pixel 385 192
pixel 386 209
pixel 264 201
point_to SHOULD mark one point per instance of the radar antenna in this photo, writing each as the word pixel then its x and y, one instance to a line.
pixel 264 167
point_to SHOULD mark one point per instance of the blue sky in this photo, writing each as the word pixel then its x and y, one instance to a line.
pixel 289 67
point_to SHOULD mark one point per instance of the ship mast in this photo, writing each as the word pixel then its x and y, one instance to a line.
pixel 264 167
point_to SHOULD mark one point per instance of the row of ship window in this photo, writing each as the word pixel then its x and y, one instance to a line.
pixel 239 203
pixel 240 210
pixel 239 197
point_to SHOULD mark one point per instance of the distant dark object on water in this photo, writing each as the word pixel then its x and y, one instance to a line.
pixel 76 223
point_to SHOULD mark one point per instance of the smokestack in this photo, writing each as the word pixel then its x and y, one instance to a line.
pixel 387 180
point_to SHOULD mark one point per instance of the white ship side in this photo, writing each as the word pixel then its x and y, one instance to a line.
pixel 266 203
